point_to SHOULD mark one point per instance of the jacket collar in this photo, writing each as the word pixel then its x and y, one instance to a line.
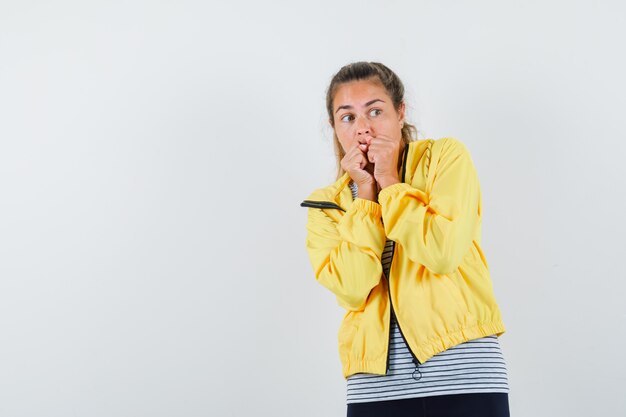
pixel 339 196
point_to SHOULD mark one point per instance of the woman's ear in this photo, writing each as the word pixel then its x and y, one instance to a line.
pixel 401 112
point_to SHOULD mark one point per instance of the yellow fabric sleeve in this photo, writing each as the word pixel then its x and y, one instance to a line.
pixel 436 229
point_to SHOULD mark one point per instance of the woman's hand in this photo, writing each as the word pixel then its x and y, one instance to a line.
pixel 383 152
pixel 361 171
pixel 356 165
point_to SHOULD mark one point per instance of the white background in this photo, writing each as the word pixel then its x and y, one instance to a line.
pixel 153 156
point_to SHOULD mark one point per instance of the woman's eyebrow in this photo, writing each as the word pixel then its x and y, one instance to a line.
pixel 346 106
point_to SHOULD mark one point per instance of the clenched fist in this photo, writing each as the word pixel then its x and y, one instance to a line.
pixel 361 170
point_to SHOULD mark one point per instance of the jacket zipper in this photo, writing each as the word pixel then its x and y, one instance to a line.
pixel 415 360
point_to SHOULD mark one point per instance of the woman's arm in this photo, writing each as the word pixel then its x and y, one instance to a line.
pixel 346 255
pixel 436 229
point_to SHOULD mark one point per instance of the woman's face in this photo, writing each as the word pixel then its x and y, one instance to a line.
pixel 362 108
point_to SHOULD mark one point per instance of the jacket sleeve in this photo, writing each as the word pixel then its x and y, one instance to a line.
pixel 346 255
pixel 436 229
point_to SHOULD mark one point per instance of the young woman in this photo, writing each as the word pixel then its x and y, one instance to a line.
pixel 396 238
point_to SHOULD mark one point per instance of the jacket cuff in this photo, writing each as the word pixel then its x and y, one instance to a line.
pixel 391 190
pixel 367 206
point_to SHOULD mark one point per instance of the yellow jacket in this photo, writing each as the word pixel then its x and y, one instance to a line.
pixel 439 284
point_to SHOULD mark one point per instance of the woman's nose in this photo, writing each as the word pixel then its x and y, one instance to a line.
pixel 363 128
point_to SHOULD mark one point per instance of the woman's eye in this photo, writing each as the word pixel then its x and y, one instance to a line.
pixel 343 119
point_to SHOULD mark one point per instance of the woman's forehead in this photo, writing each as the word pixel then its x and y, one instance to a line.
pixel 360 93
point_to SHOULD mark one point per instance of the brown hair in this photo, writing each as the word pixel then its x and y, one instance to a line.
pixel 371 71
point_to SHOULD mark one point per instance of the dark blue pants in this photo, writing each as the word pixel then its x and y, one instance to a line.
pixel 487 404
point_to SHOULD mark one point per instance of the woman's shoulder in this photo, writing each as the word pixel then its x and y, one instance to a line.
pixel 448 143
pixel 447 147
pixel 330 191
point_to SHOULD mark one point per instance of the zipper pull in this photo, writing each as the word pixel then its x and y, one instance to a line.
pixel 416 362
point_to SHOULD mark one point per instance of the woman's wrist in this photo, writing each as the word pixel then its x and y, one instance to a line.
pixel 367 191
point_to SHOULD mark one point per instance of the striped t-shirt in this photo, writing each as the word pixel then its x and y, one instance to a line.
pixel 474 366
